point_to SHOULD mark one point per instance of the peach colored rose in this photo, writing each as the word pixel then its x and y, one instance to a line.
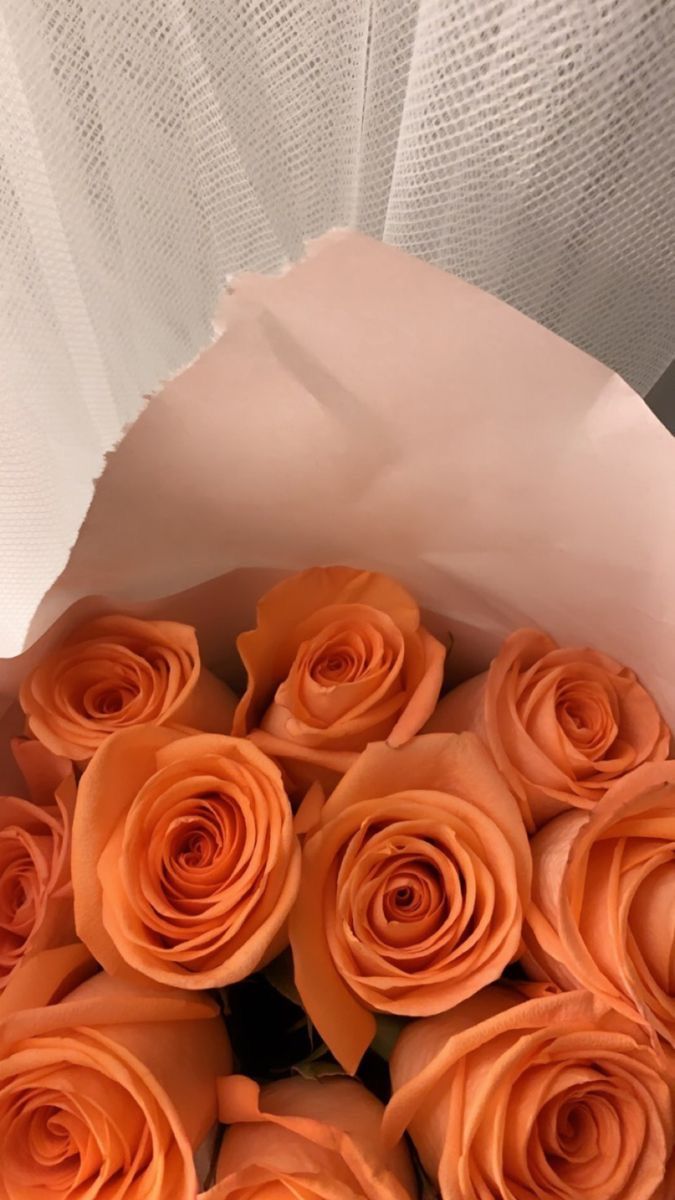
pixel 116 672
pixel 107 1089
pixel 36 895
pixel 185 862
pixel 603 900
pixel 338 659
pixel 551 1098
pixel 413 888
pixel 562 724
pixel 305 1138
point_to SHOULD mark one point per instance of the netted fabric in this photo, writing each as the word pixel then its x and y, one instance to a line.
pixel 151 148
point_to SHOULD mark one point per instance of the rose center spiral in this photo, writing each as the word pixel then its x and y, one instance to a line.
pixel 42 1146
pixel 579 1139
pixel 197 843
pixel 49 1137
pixel 585 717
pixel 197 849
pixel 106 700
pixel 18 896
pixel 576 1129
pixel 15 893
pixel 336 664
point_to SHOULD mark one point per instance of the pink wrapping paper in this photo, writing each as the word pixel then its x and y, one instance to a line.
pixel 369 409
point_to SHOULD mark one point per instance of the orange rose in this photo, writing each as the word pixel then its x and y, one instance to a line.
pixel 115 672
pixel 107 1089
pixel 185 863
pixel 562 724
pixel 338 659
pixel 309 1139
pixel 603 903
pixel 413 888
pixel 36 895
pixel 553 1098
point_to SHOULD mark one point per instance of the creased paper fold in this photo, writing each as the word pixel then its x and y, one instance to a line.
pixel 370 409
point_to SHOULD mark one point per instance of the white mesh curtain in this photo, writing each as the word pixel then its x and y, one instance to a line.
pixel 150 148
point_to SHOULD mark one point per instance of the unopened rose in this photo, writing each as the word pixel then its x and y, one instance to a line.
pixel 36 895
pixel 413 888
pixel 116 672
pixel 602 915
pixel 185 862
pixel 561 724
pixel 550 1098
pixel 319 1140
pixel 107 1089
pixel 338 659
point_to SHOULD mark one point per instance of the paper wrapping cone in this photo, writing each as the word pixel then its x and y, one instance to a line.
pixel 369 409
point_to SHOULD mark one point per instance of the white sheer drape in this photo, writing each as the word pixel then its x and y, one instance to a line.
pixel 151 148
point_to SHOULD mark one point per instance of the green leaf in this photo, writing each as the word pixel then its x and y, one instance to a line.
pixel 317 1068
pixel 279 973
pixel 386 1037
pixel 224 1001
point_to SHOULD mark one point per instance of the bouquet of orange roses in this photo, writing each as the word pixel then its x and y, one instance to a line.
pixel 305 890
